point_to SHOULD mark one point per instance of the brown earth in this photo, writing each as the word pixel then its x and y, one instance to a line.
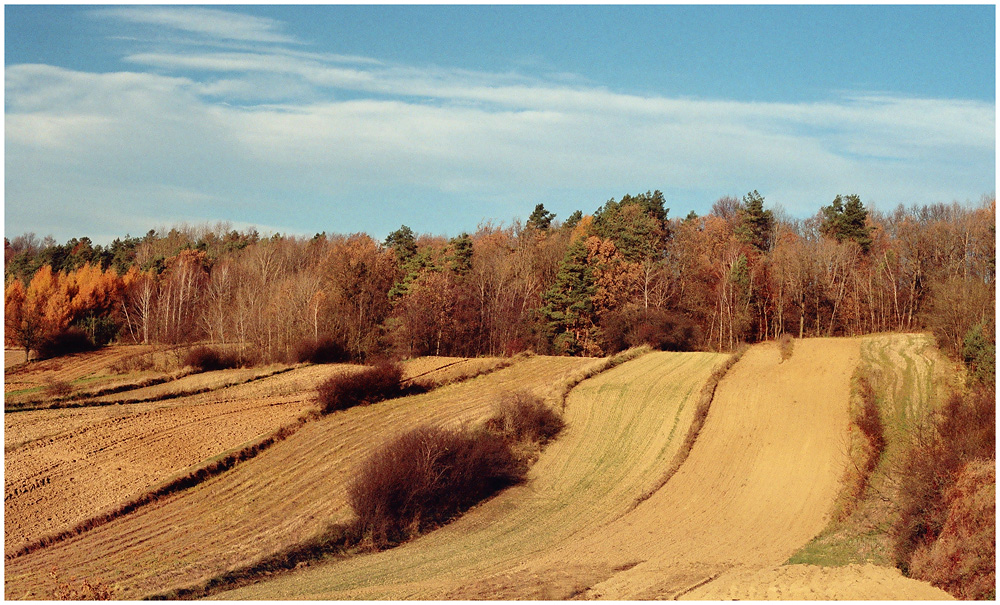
pixel 815 583
pixel 284 495
pixel 64 466
pixel 759 482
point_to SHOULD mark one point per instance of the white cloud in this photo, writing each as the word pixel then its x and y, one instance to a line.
pixel 266 136
pixel 207 22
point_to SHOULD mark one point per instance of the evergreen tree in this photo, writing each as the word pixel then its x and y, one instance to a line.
pixel 569 303
pixel 540 218
pixel 848 220
pixel 755 228
pixel 460 254
pixel 403 243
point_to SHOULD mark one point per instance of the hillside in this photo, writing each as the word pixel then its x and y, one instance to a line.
pixel 284 495
pixel 759 482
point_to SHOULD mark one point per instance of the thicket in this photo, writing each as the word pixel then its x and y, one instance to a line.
pixel 362 387
pixel 320 350
pixel 206 359
pixel 867 447
pixel 942 503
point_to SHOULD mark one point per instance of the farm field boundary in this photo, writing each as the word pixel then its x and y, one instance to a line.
pixel 223 462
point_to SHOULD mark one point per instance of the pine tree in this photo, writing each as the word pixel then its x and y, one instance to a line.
pixel 755 229
pixel 847 221
pixel 569 302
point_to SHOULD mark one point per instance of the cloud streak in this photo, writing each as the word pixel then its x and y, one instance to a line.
pixel 204 22
pixel 309 141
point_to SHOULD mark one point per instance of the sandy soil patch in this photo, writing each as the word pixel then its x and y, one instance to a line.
pixel 815 583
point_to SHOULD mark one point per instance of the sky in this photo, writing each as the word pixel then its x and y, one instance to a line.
pixel 302 119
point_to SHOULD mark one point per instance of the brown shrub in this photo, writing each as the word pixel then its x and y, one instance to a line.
pixel 205 359
pixel 58 388
pixel 785 346
pixel 962 560
pixel 427 476
pixel 72 340
pixel 522 417
pixel 370 385
pixel 321 350
pixel 964 431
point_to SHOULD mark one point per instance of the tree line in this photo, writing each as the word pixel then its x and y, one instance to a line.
pixel 593 284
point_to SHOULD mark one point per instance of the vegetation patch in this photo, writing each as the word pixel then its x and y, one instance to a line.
pixel 364 387
pixel 785 346
pixel 934 497
pixel 205 359
pixel 416 482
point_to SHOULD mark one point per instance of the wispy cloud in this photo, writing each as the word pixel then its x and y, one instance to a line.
pixel 205 22
pixel 311 141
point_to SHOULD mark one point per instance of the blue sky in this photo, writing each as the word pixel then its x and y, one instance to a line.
pixel 304 119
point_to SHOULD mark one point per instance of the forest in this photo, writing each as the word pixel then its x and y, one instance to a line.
pixel 592 284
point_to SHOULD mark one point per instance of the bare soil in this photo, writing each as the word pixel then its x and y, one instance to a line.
pixel 759 482
pixel 284 495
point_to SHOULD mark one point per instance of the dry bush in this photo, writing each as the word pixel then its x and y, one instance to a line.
pixel 58 388
pixel 962 560
pixel 321 350
pixel 868 445
pixel 785 346
pixel 964 431
pixel 522 417
pixel 71 340
pixel 425 477
pixel 370 385
pixel 205 359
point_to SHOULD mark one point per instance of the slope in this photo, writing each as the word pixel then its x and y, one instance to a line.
pixel 285 494
pixel 623 428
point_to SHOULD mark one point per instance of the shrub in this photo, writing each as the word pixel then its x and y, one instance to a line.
pixel 979 355
pixel 785 345
pixel 321 350
pixel 204 359
pixel 72 340
pixel 367 386
pixel 58 388
pixel 659 328
pixel 964 431
pixel 867 452
pixel 523 417
pixel 427 476
pixel 963 558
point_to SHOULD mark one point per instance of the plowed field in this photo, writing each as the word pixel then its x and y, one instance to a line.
pixel 759 482
pixel 285 494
